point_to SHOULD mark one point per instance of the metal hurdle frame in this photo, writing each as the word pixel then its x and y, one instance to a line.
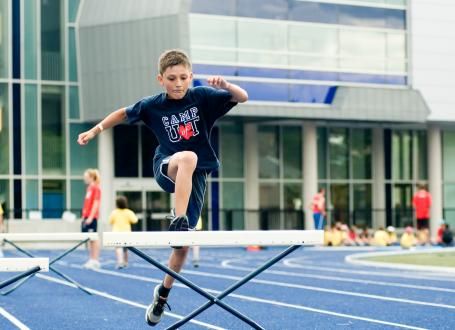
pixel 80 238
pixel 294 239
pixel 28 266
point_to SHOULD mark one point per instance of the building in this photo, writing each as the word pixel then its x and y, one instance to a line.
pixel 353 96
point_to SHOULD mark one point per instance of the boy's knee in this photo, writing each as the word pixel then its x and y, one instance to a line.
pixel 188 158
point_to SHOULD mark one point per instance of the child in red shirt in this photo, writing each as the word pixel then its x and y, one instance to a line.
pixel 90 215
pixel 422 203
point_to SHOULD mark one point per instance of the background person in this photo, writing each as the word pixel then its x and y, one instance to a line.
pixel 121 220
pixel 90 215
pixel 422 203
pixel 318 207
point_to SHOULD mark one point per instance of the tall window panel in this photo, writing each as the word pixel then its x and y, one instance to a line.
pixel 269 158
pixel 233 194
pixel 52 40
pixel 231 142
pixel 448 152
pixel 53 130
pixel 339 153
pixel 77 190
pixel 4 197
pixel 292 152
pixel 82 158
pixel 30 39
pixel 4 38
pixel 74 112
pixel 73 7
pixel 4 130
pixel 361 141
pixel 54 199
pixel 31 129
pixel 31 196
pixel 72 57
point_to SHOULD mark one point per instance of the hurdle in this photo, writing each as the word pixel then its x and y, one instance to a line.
pixel 28 266
pixel 294 239
pixel 79 238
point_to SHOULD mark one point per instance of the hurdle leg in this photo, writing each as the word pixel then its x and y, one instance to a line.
pixel 16 278
pixel 196 288
pixel 235 286
pixel 65 277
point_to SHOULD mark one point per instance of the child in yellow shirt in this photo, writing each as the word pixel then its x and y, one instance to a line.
pixel 121 219
pixel 408 239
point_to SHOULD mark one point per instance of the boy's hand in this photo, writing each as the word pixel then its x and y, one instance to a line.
pixel 85 137
pixel 218 82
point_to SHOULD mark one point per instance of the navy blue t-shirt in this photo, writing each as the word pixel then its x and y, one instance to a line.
pixel 185 124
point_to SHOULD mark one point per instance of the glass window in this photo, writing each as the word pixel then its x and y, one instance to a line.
pixel 368 48
pixel 54 199
pixel 126 147
pixel 312 39
pixel 362 16
pixel 313 12
pixel 269 159
pixel 361 153
pixel 206 31
pixel 73 6
pixel 269 195
pixel 72 58
pixel 340 202
pixel 322 152
pixel 421 157
pixel 30 39
pixel 448 155
pixel 53 130
pixel 78 190
pixel 362 205
pixel 158 201
pixel 233 218
pixel 403 214
pixel 214 7
pixel 339 153
pixel 74 102
pixel 402 155
pixel 292 152
pixel 149 144
pixel 232 151
pixel 31 129
pixel 82 158
pixel 262 36
pixel 4 197
pixel 31 195
pixel 4 38
pixel 449 204
pixel 270 9
pixel 4 130
pixel 396 45
pixel 293 196
pixel 52 40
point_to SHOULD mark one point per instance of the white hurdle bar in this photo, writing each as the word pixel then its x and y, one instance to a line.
pixel 292 238
pixel 48 237
pixel 78 238
pixel 23 264
pixel 214 238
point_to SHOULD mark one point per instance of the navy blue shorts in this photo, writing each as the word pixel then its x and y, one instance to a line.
pixel 91 227
pixel 196 201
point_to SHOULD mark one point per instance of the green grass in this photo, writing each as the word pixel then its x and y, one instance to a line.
pixel 442 259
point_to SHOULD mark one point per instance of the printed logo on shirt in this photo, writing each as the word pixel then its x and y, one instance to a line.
pixel 182 126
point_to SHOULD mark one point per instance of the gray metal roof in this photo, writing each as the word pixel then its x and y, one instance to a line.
pixel 350 103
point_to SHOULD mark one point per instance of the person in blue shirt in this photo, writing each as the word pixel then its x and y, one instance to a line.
pixel 182 119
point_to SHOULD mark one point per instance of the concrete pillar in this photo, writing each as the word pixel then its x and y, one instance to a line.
pixel 435 175
pixel 251 165
pixel 106 168
pixel 378 172
pixel 310 170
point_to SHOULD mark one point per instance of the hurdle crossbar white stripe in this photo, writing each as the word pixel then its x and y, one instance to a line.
pixel 214 238
pixel 48 237
pixel 23 264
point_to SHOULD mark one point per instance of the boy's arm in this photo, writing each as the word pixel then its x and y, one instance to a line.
pixel 239 95
pixel 115 118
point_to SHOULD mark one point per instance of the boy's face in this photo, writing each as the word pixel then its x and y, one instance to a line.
pixel 176 81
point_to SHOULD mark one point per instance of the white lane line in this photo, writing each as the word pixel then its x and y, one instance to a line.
pixel 13 319
pixel 259 300
pixel 324 277
pixel 290 264
pixel 125 301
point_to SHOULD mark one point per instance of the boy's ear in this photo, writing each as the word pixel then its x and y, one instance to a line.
pixel 159 78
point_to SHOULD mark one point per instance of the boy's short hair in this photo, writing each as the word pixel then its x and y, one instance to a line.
pixel 171 58
pixel 121 202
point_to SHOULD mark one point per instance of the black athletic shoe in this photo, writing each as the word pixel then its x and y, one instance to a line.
pixel 178 224
pixel 155 310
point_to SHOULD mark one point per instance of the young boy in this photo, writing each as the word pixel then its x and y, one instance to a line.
pixel 182 119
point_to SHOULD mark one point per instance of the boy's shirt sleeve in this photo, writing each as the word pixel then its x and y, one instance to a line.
pixel 135 111
pixel 218 102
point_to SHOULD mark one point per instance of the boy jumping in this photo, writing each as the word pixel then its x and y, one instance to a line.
pixel 182 119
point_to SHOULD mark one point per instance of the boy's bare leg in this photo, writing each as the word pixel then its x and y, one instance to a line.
pixel 119 254
pixel 180 169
